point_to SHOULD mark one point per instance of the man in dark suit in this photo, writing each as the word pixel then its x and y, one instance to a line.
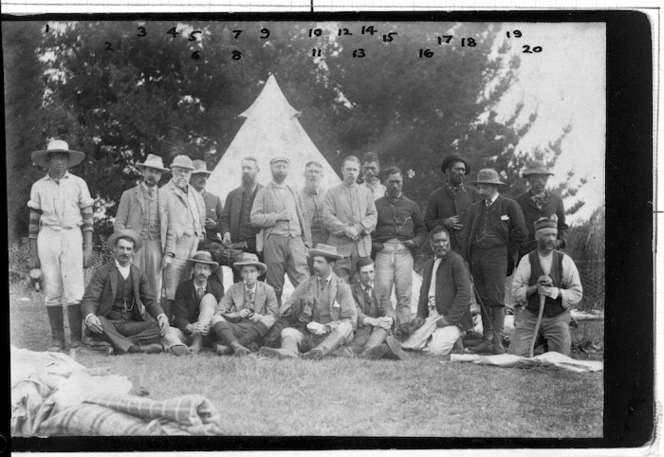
pixel 537 202
pixel 236 228
pixel 448 204
pixel 443 310
pixel 375 320
pixel 139 211
pixel 196 300
pixel 493 230
pixel 116 300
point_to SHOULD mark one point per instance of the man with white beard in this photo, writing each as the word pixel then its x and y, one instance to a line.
pixel 182 212
pixel 313 196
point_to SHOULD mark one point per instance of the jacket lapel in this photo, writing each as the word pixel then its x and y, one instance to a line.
pixel 113 277
pixel 260 298
pixel 136 282
pixel 333 297
pixel 238 296
pixel 139 197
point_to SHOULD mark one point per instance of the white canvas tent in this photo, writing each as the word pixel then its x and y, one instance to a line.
pixel 271 129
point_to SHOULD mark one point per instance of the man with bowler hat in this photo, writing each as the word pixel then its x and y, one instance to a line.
pixel 493 226
pixel 448 204
pixel 139 211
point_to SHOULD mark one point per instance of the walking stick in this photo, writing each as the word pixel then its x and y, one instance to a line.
pixel 484 310
pixel 542 298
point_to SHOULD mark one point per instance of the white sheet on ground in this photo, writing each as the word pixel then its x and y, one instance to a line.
pixel 547 359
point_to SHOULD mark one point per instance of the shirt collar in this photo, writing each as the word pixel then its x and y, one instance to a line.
pixel 248 289
pixel 366 287
pixel 65 176
pixel 147 189
pixel 327 280
pixel 123 270
pixel 494 198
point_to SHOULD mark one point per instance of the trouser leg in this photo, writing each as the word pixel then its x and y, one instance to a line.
pixel 403 283
pixel 255 333
pixel 342 334
pixel 71 264
pixel 56 321
pixel 557 334
pixel 442 341
pixel 179 270
pixel 384 265
pixel 75 324
pixel 523 334
pixel 275 259
pixel 224 332
pixel 297 268
pixel 376 338
pixel 111 335
pixel 48 247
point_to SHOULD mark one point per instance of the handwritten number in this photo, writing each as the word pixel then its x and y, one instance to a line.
pixel 265 33
pixel 527 49
pixel 47 29
pixel 174 33
pixel 516 33
pixel 142 32
pixel 196 55
pixel 237 55
pixel 236 33
pixel 359 53
pixel 192 35
pixel 108 46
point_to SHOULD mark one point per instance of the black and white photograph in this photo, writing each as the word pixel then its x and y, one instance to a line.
pixel 342 226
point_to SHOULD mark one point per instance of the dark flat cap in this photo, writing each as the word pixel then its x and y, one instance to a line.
pixel 453 158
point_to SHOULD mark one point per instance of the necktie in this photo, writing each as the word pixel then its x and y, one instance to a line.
pixel 367 296
pixel 150 192
pixel 200 292
pixel 250 295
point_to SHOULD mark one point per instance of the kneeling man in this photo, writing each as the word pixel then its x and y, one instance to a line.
pixel 117 298
pixel 247 311
pixel 375 320
pixel 443 311
pixel 550 274
pixel 332 317
pixel 196 301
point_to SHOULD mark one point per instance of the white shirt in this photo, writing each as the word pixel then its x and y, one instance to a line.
pixel 493 199
pixel 124 271
pixel 432 287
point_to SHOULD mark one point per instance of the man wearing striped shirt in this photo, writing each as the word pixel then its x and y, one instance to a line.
pixel 61 237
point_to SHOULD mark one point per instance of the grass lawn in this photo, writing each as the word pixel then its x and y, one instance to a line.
pixel 341 397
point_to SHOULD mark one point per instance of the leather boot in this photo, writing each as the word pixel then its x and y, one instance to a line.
pixel 56 321
pixel 329 344
pixel 485 346
pixel 288 349
pixel 498 323
pixel 376 338
pixel 239 350
pixel 75 325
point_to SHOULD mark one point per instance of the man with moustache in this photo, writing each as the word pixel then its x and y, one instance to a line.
pixel 116 300
pixel 370 173
pixel 213 211
pixel 195 302
pixel 246 312
pixel 375 320
pixel 236 228
pixel 493 228
pixel 537 202
pixel 400 232
pixel 350 216
pixel 443 310
pixel 313 197
pixel 60 237
pixel 139 211
pixel 448 204
pixel 182 226
pixel 285 234
pixel 330 319
pixel 552 274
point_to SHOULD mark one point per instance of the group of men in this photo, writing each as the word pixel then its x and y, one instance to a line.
pixel 344 249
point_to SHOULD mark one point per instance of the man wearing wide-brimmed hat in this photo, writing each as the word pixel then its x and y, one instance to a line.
pixel 116 301
pixel 195 302
pixel 552 274
pixel 247 311
pixel 330 318
pixel 285 234
pixel 60 237
pixel 139 211
pixel 182 212
pixel 448 204
pixel 493 229
pixel 537 202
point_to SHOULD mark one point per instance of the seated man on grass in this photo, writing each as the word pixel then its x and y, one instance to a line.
pixel 443 310
pixel 196 301
pixel 331 315
pixel 247 311
pixel 116 300
pixel 549 273
pixel 373 338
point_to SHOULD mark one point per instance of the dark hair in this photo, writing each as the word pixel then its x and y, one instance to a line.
pixel 392 170
pixel 370 157
pixel 128 238
pixel 438 229
pixel 363 262
pixel 350 159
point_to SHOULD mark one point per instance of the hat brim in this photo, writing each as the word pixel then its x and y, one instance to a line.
pixel 39 157
pixel 138 242
pixel 212 263
pixel 142 165
pixel 262 268
pixel 200 172
pixel 495 183
pixel 316 252
pixel 535 172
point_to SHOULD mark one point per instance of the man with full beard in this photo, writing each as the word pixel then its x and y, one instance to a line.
pixel 285 234
pixel 550 273
pixel 139 211
pixel 313 196
pixel 236 227
pixel 182 226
